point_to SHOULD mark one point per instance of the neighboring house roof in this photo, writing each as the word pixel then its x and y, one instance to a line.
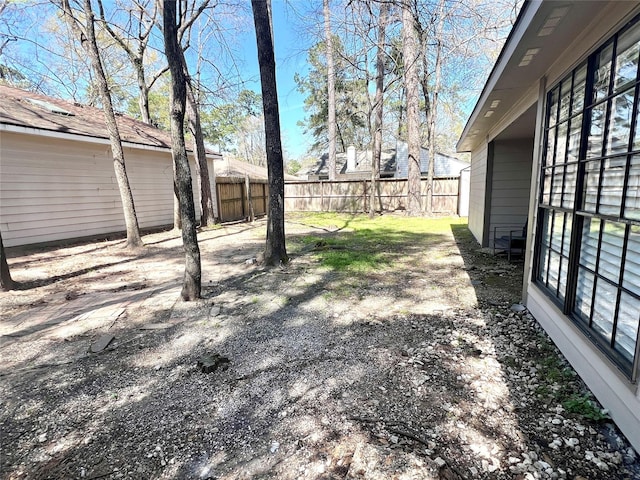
pixel 32 110
pixel 528 54
pixel 392 164
pixel 230 167
pixel 20 108
pixel 363 163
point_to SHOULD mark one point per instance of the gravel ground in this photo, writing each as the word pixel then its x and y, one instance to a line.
pixel 424 371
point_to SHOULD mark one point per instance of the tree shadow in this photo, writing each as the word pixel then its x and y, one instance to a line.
pixel 322 381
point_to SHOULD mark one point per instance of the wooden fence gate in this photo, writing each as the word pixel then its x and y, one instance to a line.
pixel 241 198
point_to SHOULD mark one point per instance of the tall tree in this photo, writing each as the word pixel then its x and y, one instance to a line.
pixel 207 210
pixel 134 41
pixel 87 36
pixel 191 286
pixel 378 106
pixel 351 100
pixel 6 282
pixel 275 251
pixel 410 56
pixel 331 92
pixel 432 110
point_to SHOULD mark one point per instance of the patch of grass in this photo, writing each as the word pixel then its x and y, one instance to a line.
pixel 581 405
pixel 353 261
pixel 358 244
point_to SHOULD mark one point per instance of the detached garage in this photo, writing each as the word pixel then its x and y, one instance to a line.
pixel 56 171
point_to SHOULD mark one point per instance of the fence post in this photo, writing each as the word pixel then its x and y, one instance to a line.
pixel 247 186
pixel 364 196
pixel 321 196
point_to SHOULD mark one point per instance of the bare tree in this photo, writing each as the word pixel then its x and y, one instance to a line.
pixel 135 45
pixel 6 282
pixel 331 92
pixel 433 113
pixel 207 210
pixel 378 106
pixel 410 55
pixel 275 252
pixel 191 286
pixel 86 34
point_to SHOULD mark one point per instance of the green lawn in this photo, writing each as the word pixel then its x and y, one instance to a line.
pixel 358 244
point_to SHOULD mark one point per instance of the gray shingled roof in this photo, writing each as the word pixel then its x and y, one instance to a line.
pixel 32 110
pixel 363 163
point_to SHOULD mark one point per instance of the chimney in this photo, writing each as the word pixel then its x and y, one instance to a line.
pixel 351 159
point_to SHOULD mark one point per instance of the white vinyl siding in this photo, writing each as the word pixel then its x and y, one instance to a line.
pixel 55 189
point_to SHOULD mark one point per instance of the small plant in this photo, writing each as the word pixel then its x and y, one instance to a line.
pixel 581 405
pixel 510 361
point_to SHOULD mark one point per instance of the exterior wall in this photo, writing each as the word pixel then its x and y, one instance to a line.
pixel 478 179
pixel 511 178
pixel 55 189
pixel 610 388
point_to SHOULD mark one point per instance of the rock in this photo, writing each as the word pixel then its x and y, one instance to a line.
pixel 439 462
pixel 156 326
pixel 571 442
pixel 274 447
pixel 210 363
pixel 518 308
pixel 42 438
pixel 215 311
pixel 102 342
pixel 251 261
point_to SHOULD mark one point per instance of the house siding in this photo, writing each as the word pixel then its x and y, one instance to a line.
pixel 511 178
pixel 621 398
pixel 56 189
pixel 609 381
pixel 477 192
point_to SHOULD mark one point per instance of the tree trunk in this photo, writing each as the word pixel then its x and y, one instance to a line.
pixel 6 282
pixel 275 252
pixel 377 132
pixel 192 274
pixel 88 40
pixel 207 213
pixel 143 95
pixel 331 92
pixel 413 122
pixel 431 114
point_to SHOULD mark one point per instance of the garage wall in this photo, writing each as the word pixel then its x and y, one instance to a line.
pixel 56 189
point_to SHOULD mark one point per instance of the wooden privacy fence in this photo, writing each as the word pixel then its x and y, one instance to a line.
pixel 241 198
pixel 353 195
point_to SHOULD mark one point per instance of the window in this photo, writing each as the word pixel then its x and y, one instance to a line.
pixel 588 237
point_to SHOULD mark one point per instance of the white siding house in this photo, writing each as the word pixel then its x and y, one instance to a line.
pixel 56 171
pixel 555 143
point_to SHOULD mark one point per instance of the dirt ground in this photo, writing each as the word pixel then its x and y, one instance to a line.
pixel 423 370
